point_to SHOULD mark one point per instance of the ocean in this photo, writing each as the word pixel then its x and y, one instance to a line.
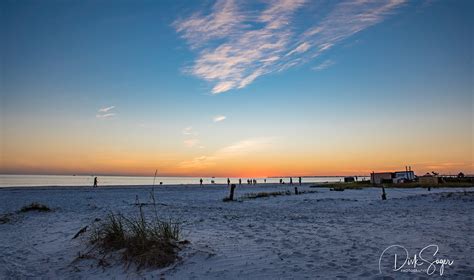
pixel 83 180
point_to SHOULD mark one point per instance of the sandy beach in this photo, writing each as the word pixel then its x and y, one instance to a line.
pixel 237 139
pixel 325 234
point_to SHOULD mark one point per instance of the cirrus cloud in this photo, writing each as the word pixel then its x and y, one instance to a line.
pixel 105 113
pixel 191 142
pixel 233 151
pixel 324 65
pixel 236 44
pixel 219 118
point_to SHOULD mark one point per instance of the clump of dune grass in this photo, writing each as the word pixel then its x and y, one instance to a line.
pixel 308 191
pixel 272 194
pixel 35 206
pixel 264 194
pixel 447 183
pixel 5 218
pixel 146 242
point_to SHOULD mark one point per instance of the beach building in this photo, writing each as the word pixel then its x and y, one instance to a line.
pixel 349 179
pixel 391 177
pixel 380 177
pixel 402 176
pixel 428 179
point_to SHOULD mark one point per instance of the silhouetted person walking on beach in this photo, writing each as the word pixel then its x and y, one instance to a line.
pixel 95 182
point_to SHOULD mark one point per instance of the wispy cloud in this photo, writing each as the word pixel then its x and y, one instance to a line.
pixel 188 131
pixel 244 147
pixel 346 19
pixel 235 46
pixel 235 150
pixel 198 163
pixel 303 47
pixel 105 116
pixel 104 113
pixel 324 65
pixel 224 19
pixel 191 142
pixel 219 118
pixel 105 109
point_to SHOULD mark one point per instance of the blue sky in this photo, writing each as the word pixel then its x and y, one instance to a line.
pixel 310 79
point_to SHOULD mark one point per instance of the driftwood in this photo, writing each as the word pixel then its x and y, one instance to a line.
pixel 148 204
pixel 81 231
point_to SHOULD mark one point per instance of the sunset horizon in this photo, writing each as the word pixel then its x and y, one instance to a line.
pixel 188 95
pixel 236 139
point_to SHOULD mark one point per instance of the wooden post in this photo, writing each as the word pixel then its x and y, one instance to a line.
pixel 296 190
pixel 232 188
pixel 384 195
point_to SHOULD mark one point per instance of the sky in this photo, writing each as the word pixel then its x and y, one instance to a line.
pixel 236 88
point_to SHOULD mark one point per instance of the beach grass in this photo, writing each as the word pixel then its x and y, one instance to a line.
pixel 362 185
pixel 5 218
pixel 264 194
pixel 146 242
pixel 35 206
pixel 273 194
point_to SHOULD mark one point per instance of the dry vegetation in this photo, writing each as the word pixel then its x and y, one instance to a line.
pixel 272 194
pixel 144 242
pixel 35 206
pixel 264 194
pixel 361 185
pixel 5 218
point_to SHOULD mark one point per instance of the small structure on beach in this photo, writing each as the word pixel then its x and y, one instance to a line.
pixel 392 177
pixel 349 179
pixel 381 177
pixel 428 179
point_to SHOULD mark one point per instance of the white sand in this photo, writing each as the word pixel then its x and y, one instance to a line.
pixel 333 235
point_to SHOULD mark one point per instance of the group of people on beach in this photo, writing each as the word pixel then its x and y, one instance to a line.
pixel 249 181
pixel 254 181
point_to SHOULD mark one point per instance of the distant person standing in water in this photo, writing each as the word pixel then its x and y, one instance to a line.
pixel 200 181
pixel 299 179
pixel 228 181
pixel 291 181
pixel 240 182
pixel 95 182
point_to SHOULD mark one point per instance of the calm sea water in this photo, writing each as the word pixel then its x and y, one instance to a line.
pixel 60 180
